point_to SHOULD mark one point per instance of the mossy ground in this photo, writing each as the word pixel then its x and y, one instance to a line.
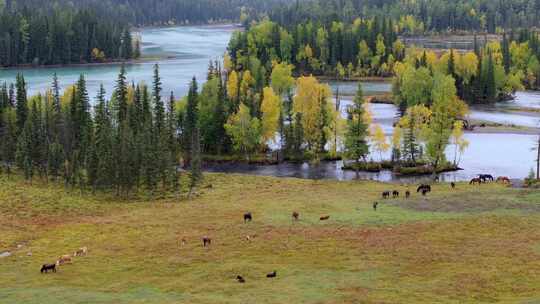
pixel 475 244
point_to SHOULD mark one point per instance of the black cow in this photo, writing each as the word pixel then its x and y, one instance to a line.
pixel 46 267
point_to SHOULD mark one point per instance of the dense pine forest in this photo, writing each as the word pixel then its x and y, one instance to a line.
pixel 127 142
pixel 164 12
pixel 62 36
pixel 419 16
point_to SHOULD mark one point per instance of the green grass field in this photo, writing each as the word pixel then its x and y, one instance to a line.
pixel 469 245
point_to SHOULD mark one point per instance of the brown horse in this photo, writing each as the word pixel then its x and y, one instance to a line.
pixel 206 241
pixel 503 180
pixel 324 218
pixel 475 180
pixel 295 215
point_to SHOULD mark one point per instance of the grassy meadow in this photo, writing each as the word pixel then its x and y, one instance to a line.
pixel 474 244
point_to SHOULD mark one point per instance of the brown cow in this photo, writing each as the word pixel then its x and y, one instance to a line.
pixel 81 252
pixel 66 258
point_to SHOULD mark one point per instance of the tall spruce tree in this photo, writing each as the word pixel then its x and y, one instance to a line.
pixel 356 146
pixel 191 120
pixel 22 102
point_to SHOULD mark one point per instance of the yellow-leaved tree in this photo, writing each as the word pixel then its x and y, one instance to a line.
pixel 271 110
pixel 313 101
pixel 459 142
pixel 380 142
pixel 232 86
pixel 244 130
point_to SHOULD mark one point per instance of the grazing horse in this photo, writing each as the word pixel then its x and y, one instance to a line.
pixel 66 258
pixel 503 179
pixel 272 274
pixel 453 185
pixel 206 241
pixel 247 217
pixel 386 194
pixel 423 187
pixel 240 279
pixel 486 177
pixel 324 218
pixel 81 252
pixel 407 194
pixel 295 215
pixel 395 193
pixel 375 205
pixel 475 180
pixel 46 267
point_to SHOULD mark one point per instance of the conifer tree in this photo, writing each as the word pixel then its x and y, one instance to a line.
pixel 191 120
pixel 356 146
pixel 22 102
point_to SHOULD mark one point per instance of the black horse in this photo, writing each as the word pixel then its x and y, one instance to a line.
pixel 486 177
pixel 407 194
pixel 423 188
pixel 386 194
pixel 453 185
pixel 240 279
pixel 272 274
pixel 375 205
pixel 247 217
pixel 206 241
pixel 46 267
pixel 395 193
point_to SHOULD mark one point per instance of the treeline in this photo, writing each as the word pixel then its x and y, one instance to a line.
pixel 62 36
pixel 370 47
pixel 134 141
pixel 164 12
pixel 416 17
pixel 491 73
pixel 365 47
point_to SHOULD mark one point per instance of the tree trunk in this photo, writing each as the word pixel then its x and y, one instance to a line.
pixel 538 160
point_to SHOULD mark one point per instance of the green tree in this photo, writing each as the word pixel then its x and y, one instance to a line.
pixel 245 131
pixel 356 146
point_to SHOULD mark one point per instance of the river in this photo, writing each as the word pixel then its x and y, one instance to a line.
pixel 186 51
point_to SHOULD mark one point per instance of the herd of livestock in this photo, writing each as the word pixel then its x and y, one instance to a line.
pixel 424 189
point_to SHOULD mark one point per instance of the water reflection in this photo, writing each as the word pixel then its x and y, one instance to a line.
pixel 497 154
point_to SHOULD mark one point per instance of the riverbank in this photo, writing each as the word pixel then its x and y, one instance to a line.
pixel 89 64
pixel 487 235
pixel 399 169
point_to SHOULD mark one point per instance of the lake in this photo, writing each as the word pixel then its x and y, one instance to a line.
pixel 186 51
